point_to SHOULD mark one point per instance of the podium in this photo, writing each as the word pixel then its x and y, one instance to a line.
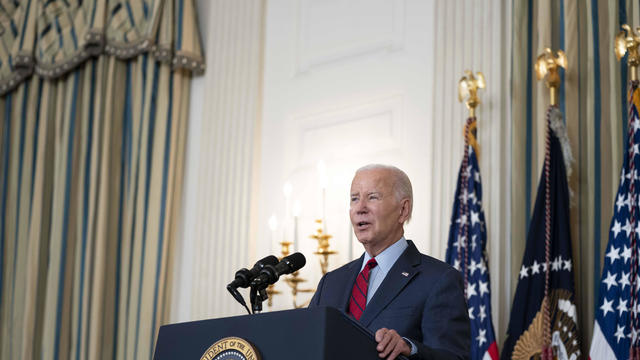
pixel 312 334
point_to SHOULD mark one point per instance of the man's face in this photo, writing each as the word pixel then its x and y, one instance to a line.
pixel 376 214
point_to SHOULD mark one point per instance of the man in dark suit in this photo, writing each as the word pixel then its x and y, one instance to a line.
pixel 414 303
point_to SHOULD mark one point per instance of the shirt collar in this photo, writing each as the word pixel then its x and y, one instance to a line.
pixel 388 257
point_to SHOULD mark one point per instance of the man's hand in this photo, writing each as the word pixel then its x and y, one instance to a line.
pixel 391 344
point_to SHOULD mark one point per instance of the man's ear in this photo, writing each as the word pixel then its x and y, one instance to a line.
pixel 405 210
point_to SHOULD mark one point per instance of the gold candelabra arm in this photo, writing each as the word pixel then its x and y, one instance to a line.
pixel 294 281
pixel 271 292
pixel 323 250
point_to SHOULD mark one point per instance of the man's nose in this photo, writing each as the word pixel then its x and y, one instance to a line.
pixel 361 207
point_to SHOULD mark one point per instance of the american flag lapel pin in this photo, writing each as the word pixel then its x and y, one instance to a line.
pixel 405 274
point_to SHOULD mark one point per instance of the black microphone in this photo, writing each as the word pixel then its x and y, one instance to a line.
pixel 244 276
pixel 270 274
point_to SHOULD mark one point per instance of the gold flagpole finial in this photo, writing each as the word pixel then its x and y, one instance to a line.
pixel 547 66
pixel 627 42
pixel 468 87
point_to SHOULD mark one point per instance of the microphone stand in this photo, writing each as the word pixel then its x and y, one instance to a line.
pixel 257 296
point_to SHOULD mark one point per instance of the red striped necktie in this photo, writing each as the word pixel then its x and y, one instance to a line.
pixel 358 300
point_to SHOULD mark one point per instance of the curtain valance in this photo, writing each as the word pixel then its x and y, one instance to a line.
pixel 53 36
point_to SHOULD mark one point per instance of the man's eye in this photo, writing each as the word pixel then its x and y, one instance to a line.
pixel 353 198
pixel 373 197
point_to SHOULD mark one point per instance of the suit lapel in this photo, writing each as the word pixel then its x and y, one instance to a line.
pixel 352 273
pixel 395 281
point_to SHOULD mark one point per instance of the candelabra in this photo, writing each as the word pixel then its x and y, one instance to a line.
pixel 323 250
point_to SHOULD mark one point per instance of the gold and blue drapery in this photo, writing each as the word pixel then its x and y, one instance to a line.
pixel 94 103
pixel 592 98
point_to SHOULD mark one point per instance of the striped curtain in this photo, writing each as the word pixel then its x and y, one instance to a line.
pixel 93 114
pixel 593 100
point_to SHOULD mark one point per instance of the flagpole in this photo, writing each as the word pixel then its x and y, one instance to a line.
pixel 546 67
pixel 627 42
pixel 467 87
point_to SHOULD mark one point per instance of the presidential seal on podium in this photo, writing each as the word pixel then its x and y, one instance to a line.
pixel 231 348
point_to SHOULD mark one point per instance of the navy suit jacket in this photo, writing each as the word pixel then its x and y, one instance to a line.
pixel 422 298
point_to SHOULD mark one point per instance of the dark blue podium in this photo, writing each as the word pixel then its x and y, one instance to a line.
pixel 312 334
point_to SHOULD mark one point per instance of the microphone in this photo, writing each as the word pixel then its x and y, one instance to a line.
pixel 244 276
pixel 270 274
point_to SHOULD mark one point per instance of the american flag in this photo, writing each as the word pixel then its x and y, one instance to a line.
pixel 466 250
pixel 546 271
pixel 616 309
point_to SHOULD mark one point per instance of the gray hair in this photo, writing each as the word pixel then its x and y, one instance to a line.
pixel 401 183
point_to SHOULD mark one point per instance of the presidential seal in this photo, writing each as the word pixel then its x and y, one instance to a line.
pixel 231 348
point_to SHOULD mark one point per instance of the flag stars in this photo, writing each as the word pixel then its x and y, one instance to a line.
pixel 627 228
pixel 524 272
pixel 613 251
pixel 567 264
pixel 619 333
pixel 473 197
pixel 471 316
pixel 610 280
pixel 636 125
pixel 484 287
pixel 464 197
pixel 473 267
pixel 619 203
pixel 622 307
pixel 631 199
pixel 482 267
pixel 475 217
pixel 624 280
pixel 482 337
pixel 535 267
pixel 557 264
pixel 468 171
pixel 459 242
pixel 617 226
pixel 606 307
pixel 471 290
pixel 626 253
pixel 483 313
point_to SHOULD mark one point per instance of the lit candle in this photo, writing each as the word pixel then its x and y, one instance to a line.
pixel 273 226
pixel 296 214
pixel 322 180
pixel 287 189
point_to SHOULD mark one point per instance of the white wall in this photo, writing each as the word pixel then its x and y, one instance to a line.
pixel 348 82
